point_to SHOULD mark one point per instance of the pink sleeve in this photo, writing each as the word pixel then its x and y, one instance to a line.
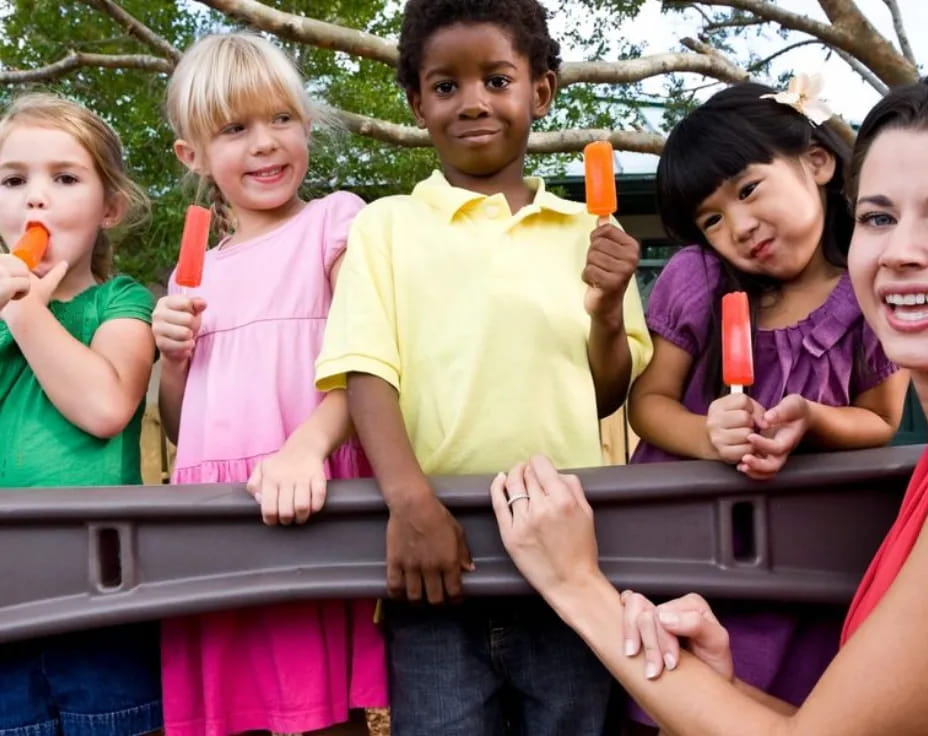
pixel 342 209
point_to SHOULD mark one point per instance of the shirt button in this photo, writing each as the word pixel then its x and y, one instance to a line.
pixel 492 210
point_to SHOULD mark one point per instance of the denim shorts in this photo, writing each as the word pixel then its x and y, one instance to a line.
pixel 104 682
pixel 490 667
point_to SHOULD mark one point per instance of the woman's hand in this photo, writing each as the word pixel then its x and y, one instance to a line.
pixel 290 486
pixel 546 525
pixel 658 629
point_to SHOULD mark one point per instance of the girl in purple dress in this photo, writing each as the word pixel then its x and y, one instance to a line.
pixel 756 185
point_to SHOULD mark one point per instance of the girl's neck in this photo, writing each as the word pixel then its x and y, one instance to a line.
pixel 508 181
pixel 250 224
pixel 78 279
pixel 797 298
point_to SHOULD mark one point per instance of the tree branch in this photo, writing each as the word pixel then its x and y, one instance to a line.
pixel 75 60
pixel 901 34
pixel 784 50
pixel 849 31
pixel 704 49
pixel 634 70
pixel 868 76
pixel 135 27
pixel 561 141
pixel 308 30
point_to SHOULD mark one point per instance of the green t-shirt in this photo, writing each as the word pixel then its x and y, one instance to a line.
pixel 38 446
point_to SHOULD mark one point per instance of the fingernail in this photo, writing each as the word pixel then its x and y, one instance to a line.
pixel 630 648
pixel 650 671
pixel 666 617
pixel 670 661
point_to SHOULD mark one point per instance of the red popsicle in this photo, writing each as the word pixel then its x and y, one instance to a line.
pixel 193 247
pixel 737 356
pixel 598 163
pixel 32 245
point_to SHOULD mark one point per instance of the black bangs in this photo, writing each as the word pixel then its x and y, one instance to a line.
pixel 700 155
pixel 735 128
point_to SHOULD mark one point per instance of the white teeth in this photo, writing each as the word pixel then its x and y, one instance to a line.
pixel 911 316
pixel 906 300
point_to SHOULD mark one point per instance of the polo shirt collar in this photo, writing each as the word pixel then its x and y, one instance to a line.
pixel 449 200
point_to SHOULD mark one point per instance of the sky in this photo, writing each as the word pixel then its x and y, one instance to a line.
pixel 847 94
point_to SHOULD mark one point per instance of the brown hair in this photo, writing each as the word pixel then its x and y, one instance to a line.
pixel 105 149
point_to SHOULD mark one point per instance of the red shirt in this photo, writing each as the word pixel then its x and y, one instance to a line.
pixel 894 551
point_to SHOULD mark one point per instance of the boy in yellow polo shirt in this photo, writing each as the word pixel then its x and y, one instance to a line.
pixel 478 320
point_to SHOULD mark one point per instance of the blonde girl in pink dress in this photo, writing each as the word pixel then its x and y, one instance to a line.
pixel 237 395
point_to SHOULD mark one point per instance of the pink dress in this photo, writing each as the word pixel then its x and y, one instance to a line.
pixel 284 667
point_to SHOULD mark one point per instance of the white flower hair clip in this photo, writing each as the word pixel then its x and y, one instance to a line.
pixel 803 96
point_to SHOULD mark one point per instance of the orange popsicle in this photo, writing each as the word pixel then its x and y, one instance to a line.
pixel 32 245
pixel 598 163
pixel 193 247
pixel 737 356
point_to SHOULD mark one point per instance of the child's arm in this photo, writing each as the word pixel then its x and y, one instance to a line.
pixel 657 414
pixel 426 547
pixel 175 324
pixel 291 484
pixel 97 388
pixel 610 266
pixel 871 421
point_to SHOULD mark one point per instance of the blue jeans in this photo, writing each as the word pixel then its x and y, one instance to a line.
pixel 491 667
pixel 105 682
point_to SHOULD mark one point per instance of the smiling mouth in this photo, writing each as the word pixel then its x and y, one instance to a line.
pixel 907 307
pixel 477 134
pixel 271 172
pixel 761 249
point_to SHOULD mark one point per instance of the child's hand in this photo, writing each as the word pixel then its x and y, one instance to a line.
pixel 14 279
pixel 38 292
pixel 730 421
pixel 785 426
pixel 175 324
pixel 290 486
pixel 610 264
pixel 426 548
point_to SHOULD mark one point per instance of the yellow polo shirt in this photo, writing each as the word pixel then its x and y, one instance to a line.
pixel 475 315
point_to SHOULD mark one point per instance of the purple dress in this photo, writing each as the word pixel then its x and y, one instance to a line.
pixel 830 357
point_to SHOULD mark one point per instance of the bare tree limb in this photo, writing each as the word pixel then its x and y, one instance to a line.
pixel 308 30
pixel 704 49
pixel 634 70
pixel 868 76
pixel 75 60
pixel 135 27
pixel 784 50
pixel 561 141
pixel 901 34
pixel 733 23
pixel 849 31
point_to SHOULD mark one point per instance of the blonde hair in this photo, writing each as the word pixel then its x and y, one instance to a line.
pixel 221 77
pixel 102 143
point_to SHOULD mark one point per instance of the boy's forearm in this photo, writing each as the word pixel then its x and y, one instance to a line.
pixel 375 411
pixel 611 365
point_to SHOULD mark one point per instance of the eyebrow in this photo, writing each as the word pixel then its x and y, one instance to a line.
pixel 880 200
pixel 442 71
pixel 49 164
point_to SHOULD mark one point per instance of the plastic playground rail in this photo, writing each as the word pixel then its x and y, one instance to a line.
pixel 85 557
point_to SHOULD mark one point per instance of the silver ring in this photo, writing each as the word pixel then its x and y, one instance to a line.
pixel 517 497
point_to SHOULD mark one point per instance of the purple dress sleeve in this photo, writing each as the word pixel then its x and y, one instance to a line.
pixel 679 307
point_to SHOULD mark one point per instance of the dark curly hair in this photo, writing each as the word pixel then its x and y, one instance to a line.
pixel 525 20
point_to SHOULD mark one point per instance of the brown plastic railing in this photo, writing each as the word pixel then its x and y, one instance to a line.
pixel 85 557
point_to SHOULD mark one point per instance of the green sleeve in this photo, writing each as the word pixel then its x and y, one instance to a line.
pixel 125 298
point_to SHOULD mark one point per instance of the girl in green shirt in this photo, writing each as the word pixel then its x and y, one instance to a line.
pixel 75 358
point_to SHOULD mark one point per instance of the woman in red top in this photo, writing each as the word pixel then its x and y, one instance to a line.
pixel 876 684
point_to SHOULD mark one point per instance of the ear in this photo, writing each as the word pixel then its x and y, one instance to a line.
pixel 414 98
pixel 544 89
pixel 114 210
pixel 821 163
pixel 188 156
